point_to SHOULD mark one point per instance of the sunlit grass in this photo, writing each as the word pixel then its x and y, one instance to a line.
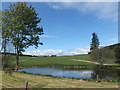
pixel 25 61
pixel 38 81
pixel 53 61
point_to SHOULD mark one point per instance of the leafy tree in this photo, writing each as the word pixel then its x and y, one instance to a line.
pixel 20 27
pixel 1 66
pixel 95 42
pixel 97 55
pixel 117 54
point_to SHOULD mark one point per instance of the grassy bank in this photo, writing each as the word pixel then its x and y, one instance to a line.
pixel 39 81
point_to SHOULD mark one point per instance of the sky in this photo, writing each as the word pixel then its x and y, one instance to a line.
pixel 68 26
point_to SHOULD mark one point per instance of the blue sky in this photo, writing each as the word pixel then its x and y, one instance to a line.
pixel 68 27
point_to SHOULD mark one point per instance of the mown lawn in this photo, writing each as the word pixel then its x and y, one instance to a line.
pixel 17 80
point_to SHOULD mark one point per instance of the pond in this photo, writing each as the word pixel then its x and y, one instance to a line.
pixel 75 73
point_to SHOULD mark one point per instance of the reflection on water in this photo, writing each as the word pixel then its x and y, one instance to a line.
pixel 105 73
pixel 75 73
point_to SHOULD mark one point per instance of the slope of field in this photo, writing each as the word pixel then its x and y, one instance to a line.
pixel 109 53
pixel 54 61
pixel 26 61
pixel 75 60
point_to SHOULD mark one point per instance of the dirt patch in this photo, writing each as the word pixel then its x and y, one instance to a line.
pixel 90 62
pixel 85 61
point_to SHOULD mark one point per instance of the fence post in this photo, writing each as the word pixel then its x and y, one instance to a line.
pixel 26 84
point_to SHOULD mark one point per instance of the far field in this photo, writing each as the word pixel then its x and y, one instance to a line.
pixel 55 61
pixel 75 60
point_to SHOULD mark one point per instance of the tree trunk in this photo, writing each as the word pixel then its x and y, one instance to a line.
pixel 4 59
pixel 17 58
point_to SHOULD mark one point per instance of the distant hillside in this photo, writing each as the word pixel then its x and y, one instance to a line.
pixel 109 53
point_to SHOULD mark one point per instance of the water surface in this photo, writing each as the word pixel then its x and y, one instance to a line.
pixel 75 73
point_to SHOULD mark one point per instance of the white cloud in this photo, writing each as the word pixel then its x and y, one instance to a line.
pixel 99 9
pixel 58 52
pixel 47 36
pixel 56 7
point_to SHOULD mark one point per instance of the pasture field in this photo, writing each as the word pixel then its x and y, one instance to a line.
pixel 53 61
pixel 26 61
pixel 17 80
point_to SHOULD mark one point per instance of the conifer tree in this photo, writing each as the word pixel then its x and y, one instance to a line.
pixel 95 42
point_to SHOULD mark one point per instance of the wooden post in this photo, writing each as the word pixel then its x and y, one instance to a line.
pixel 26 84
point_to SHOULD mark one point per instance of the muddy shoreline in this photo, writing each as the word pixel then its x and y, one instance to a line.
pixel 69 67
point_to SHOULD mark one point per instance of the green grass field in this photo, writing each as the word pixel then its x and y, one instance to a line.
pixel 26 61
pixel 54 61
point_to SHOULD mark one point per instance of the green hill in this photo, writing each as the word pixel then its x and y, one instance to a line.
pixel 108 53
